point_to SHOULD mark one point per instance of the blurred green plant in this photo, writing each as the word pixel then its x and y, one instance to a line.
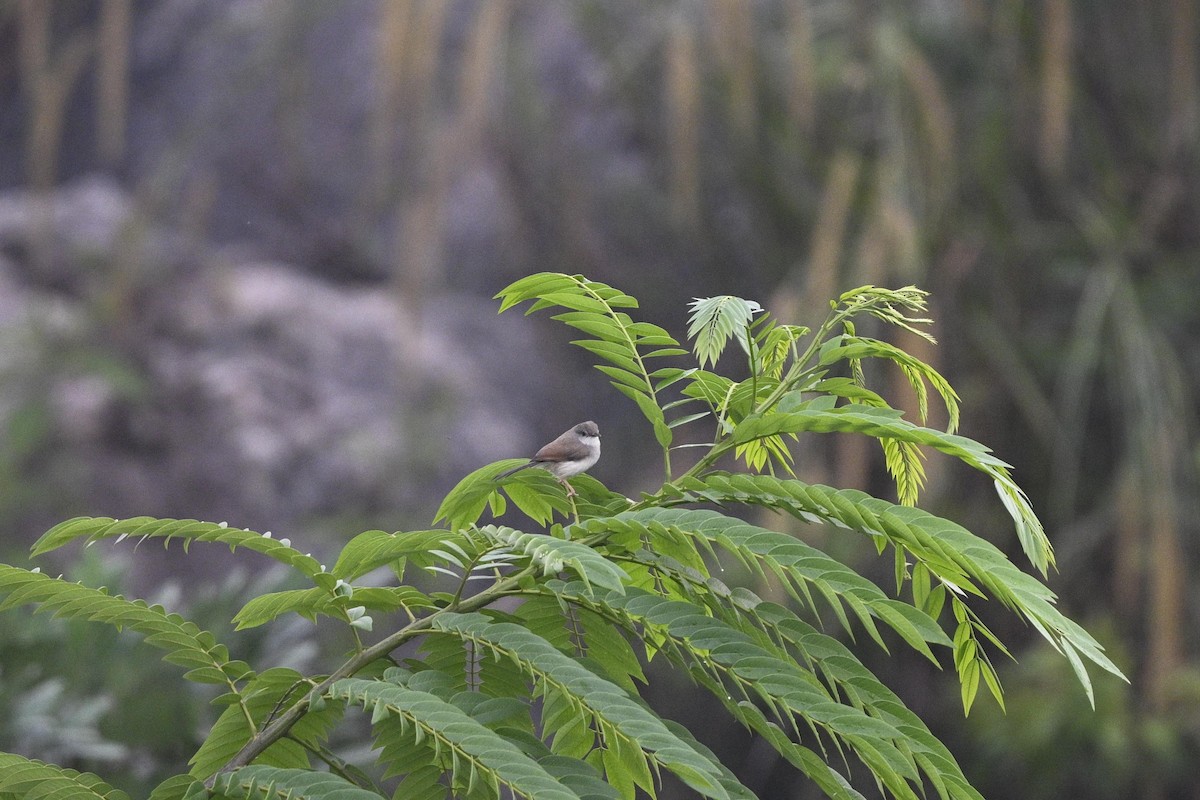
pixel 75 694
pixel 529 685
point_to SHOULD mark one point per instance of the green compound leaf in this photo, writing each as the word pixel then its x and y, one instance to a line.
pixel 555 555
pixel 883 424
pixel 257 782
pixel 22 777
pixel 185 644
pixel 463 743
pixel 626 345
pixel 94 529
pixel 643 734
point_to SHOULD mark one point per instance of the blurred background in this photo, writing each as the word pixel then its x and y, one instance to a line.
pixel 247 251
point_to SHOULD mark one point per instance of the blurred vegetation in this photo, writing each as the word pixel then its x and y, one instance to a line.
pixel 74 694
pixel 1032 162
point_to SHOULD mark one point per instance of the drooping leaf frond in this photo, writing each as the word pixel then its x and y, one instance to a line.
pixel 605 703
pixel 94 529
pixel 805 759
pixel 958 558
pixel 735 788
pixel 738 666
pixel 801 568
pixel 429 769
pixel 779 631
pixel 22 777
pixel 916 371
pixel 884 425
pixel 892 306
pixel 775 344
pixel 185 644
pixel 843 671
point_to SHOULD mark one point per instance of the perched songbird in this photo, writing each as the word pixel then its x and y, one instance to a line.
pixel 570 454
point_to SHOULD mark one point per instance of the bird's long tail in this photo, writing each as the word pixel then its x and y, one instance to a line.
pixel 515 469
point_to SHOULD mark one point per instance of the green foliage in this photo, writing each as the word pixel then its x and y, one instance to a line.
pixel 539 696
pixel 25 777
pixel 716 320
pixel 257 782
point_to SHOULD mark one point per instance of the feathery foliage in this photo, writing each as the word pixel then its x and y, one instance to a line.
pixel 539 696
pixel 25 777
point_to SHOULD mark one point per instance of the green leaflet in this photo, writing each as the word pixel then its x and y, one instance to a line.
pixel 544 283
pixel 534 491
pixel 716 320
pixel 179 787
pixel 310 603
pixel 421 781
pixel 373 549
pixel 22 777
pixel 464 504
pixel 579 776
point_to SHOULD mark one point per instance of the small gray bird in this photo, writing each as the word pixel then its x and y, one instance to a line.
pixel 570 454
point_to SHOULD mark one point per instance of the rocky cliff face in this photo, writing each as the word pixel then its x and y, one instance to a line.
pixel 228 387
